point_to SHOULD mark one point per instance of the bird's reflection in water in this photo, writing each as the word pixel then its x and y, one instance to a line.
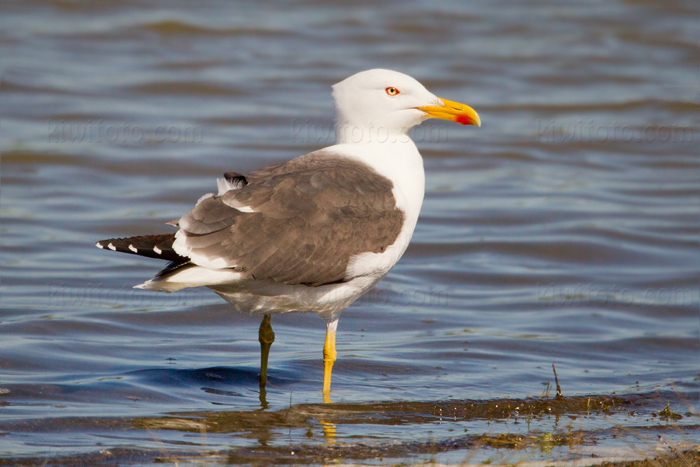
pixel 328 427
pixel 263 398
pixel 328 431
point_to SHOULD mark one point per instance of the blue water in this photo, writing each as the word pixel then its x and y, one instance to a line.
pixel 565 230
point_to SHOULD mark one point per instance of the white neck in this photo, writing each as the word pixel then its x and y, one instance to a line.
pixel 347 133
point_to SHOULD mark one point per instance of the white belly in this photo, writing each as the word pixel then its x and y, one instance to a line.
pixel 271 297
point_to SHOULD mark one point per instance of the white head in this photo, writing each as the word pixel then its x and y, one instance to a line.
pixel 384 102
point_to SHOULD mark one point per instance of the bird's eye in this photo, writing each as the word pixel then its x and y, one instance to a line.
pixel 392 91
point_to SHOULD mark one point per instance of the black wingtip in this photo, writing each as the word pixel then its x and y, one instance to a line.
pixel 151 246
pixel 236 179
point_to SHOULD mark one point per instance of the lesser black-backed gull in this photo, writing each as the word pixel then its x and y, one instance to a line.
pixel 315 233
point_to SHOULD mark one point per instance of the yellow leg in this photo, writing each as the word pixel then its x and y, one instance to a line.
pixel 329 357
pixel 266 337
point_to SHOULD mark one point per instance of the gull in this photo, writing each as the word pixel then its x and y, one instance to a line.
pixel 315 233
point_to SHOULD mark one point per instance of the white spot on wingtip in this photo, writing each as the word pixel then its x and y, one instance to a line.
pixel 133 248
pixel 112 247
pixel 245 209
pixel 157 250
pixel 99 245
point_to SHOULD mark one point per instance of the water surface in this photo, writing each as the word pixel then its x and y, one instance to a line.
pixel 565 230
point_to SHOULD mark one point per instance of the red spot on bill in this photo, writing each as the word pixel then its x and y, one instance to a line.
pixel 464 120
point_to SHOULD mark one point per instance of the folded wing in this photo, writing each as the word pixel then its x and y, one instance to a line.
pixel 298 222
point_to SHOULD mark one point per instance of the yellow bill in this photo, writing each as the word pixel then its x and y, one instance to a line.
pixel 454 112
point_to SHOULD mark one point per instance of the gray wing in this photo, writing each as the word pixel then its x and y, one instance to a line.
pixel 298 222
